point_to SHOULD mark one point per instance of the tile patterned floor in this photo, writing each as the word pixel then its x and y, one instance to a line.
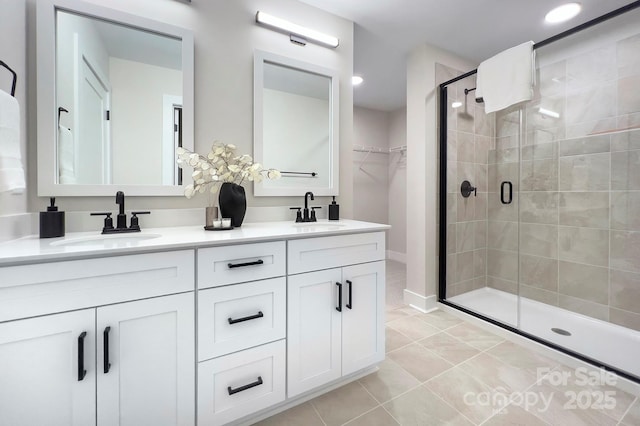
pixel 441 370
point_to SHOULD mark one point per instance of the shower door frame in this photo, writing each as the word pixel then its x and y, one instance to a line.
pixel 442 247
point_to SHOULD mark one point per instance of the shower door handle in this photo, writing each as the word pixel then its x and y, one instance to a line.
pixel 509 199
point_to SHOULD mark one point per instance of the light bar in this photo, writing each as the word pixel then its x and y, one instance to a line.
pixel 295 29
pixel 548 113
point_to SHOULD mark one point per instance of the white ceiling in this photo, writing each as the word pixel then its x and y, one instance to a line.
pixel 386 30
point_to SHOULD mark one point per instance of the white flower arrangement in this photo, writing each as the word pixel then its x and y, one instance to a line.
pixel 220 165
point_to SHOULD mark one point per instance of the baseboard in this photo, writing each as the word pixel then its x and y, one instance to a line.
pixel 397 256
pixel 422 303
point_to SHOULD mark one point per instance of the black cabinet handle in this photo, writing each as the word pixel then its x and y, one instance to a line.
pixel 105 340
pixel 350 304
pixel 240 265
pixel 339 307
pixel 502 194
pixel 245 387
pixel 256 316
pixel 81 371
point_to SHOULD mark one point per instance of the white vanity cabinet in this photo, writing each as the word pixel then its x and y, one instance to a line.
pixel 241 330
pixel 122 363
pixel 335 316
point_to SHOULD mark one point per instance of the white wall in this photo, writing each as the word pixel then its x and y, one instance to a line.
pixel 397 236
pixel 13 221
pixel 225 38
pixel 137 120
pixel 422 170
pixel 370 181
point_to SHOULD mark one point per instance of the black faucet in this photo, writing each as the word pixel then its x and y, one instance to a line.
pixel 121 223
pixel 305 216
pixel 122 217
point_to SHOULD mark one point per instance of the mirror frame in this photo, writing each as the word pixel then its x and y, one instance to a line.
pixel 46 96
pixel 259 59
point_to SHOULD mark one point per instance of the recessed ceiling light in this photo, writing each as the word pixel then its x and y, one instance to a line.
pixel 456 104
pixel 356 80
pixel 563 13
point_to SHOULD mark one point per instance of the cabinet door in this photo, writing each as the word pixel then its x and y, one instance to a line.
pixel 363 316
pixel 146 371
pixel 313 330
pixel 40 382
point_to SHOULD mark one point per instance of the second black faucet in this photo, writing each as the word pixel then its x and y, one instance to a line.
pixel 121 222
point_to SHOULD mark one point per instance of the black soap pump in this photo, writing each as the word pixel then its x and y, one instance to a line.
pixel 334 210
pixel 52 222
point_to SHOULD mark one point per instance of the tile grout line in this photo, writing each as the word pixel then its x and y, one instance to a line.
pixel 317 412
pixel 637 400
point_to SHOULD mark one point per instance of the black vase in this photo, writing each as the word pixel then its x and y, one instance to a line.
pixel 233 203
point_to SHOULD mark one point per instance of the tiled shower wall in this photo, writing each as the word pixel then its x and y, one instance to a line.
pixel 578 226
pixel 469 139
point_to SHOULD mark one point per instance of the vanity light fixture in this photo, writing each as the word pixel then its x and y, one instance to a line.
pixel 563 13
pixel 297 33
pixel 356 80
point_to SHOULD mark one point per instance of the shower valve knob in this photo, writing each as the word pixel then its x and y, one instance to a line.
pixel 466 189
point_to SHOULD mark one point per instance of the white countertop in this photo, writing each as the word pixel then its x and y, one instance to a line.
pixel 32 249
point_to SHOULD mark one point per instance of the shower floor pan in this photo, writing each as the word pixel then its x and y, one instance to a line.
pixel 608 343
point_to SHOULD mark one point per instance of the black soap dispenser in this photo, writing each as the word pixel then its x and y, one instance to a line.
pixel 52 222
pixel 334 210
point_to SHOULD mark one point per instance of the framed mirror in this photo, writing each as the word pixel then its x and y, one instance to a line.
pixel 295 125
pixel 115 100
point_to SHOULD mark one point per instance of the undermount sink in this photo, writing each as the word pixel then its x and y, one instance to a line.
pixel 114 240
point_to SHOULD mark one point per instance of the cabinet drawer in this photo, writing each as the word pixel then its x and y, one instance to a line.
pixel 31 290
pixel 240 263
pixel 313 254
pixel 236 385
pixel 237 317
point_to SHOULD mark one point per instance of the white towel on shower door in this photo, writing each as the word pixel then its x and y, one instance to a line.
pixel 66 156
pixel 507 78
pixel 11 169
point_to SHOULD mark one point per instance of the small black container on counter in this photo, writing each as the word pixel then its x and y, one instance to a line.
pixel 52 222
pixel 334 210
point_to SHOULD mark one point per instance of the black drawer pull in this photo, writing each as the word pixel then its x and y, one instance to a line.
pixel 339 307
pixel 81 371
pixel 502 194
pixel 105 347
pixel 240 265
pixel 252 317
pixel 245 387
pixel 350 304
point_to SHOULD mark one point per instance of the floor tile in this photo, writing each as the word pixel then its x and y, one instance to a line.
pixel 449 348
pixel 592 387
pixel 377 417
pixel 521 357
pixel 303 414
pixel 440 319
pixel 344 404
pixel 498 375
pixel 389 381
pixel 419 361
pixel 514 416
pixel 555 407
pixel 421 407
pixel 395 339
pixel 632 418
pixel 413 328
pixel 394 314
pixel 474 336
pixel 465 393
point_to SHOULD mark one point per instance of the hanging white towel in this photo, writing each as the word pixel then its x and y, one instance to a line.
pixel 11 169
pixel 66 156
pixel 507 78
